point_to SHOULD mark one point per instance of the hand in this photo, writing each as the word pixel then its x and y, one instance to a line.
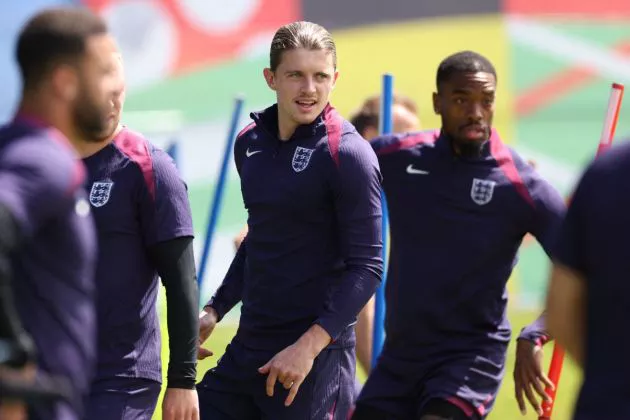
pixel 528 374
pixel 12 411
pixel 15 410
pixel 207 321
pixel 291 365
pixel 180 404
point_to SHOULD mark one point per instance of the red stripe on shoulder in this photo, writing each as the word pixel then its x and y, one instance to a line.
pixel 136 147
pixel 422 137
pixel 504 159
pixel 247 128
pixel 334 125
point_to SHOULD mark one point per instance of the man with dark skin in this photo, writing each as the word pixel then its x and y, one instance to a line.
pixel 460 203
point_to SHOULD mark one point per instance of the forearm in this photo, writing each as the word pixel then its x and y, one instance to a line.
pixel 364 330
pixel 176 266
pixel 536 331
pixel 571 338
pixel 356 288
pixel 231 290
pixel 565 310
pixel 314 340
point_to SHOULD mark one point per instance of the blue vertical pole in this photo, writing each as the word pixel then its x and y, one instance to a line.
pixel 215 208
pixel 173 151
pixel 387 96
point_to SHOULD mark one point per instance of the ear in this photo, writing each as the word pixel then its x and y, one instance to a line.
pixel 270 78
pixel 65 82
pixel 335 77
pixel 436 104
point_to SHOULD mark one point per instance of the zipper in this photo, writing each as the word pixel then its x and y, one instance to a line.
pixel 277 148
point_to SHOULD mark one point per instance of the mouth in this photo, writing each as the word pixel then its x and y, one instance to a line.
pixel 306 105
pixel 475 132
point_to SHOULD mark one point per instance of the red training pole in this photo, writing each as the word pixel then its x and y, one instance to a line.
pixel 605 141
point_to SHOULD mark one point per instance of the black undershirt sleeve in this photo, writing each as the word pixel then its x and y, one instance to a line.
pixel 175 263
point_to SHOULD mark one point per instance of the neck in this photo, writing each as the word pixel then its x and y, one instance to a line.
pixel 87 149
pixel 468 149
pixel 286 127
pixel 39 108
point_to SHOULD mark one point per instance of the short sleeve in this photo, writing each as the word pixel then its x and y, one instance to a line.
pixel 549 211
pixel 165 207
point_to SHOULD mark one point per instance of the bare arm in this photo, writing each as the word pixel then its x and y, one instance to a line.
pixel 364 331
pixel 566 311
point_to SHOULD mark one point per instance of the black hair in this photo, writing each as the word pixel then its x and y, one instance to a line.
pixel 54 36
pixel 463 62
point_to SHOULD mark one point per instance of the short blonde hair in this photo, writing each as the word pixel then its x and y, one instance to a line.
pixel 307 35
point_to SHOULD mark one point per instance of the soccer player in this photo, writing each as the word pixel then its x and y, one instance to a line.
pixel 47 238
pixel 366 120
pixel 144 225
pixel 404 116
pixel 460 203
pixel 587 300
pixel 312 256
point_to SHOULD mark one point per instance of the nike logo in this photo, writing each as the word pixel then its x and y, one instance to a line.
pixel 411 170
pixel 249 154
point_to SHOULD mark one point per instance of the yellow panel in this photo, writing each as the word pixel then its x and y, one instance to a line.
pixel 411 51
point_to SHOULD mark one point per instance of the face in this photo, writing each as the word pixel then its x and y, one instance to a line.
pixel 403 121
pixel 302 81
pixel 100 88
pixel 117 102
pixel 466 104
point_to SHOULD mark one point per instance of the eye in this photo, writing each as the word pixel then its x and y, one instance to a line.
pixel 458 101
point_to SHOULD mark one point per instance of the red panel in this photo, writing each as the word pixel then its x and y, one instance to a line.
pixel 593 8
pixel 202 46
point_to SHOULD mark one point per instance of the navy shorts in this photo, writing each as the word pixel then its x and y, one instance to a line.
pixel 122 399
pixel 234 390
pixel 403 388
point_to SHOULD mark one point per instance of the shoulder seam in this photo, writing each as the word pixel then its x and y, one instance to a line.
pixel 143 161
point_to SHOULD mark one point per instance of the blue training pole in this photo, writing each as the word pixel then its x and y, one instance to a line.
pixel 173 151
pixel 386 123
pixel 215 208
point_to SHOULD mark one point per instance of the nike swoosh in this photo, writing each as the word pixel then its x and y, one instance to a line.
pixel 411 170
pixel 248 153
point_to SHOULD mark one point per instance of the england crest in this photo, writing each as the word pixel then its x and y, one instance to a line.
pixel 482 190
pixel 99 194
pixel 301 158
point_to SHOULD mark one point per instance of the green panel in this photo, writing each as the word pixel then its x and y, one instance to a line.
pixel 530 67
pixel 207 94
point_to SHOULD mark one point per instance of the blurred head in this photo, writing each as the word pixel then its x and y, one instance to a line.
pixel 466 86
pixel 404 116
pixel 66 55
pixel 302 71
pixel 117 101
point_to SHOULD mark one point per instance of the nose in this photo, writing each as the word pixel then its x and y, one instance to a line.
pixel 308 85
pixel 475 112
